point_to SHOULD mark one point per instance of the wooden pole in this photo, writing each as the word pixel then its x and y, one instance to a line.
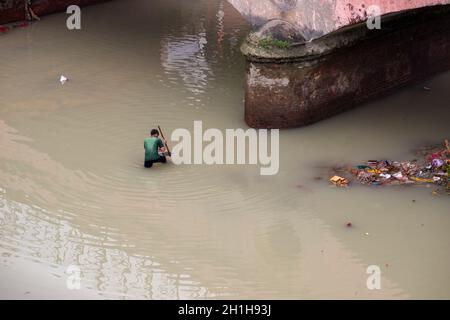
pixel 162 135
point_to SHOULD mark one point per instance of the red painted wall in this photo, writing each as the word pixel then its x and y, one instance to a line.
pixel 318 17
pixel 14 10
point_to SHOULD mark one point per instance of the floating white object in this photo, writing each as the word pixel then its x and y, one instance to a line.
pixel 398 175
pixel 63 79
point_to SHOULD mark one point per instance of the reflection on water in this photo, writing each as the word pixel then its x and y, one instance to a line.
pixel 52 239
pixel 189 58
pixel 186 58
pixel 73 190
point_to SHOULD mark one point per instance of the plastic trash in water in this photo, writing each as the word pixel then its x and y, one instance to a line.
pixel 398 175
pixel 432 168
pixel 424 180
pixel 339 181
pixel 437 163
pixel 63 79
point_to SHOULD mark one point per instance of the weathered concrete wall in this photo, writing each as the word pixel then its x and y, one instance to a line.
pixel 14 10
pixel 318 17
pixel 353 66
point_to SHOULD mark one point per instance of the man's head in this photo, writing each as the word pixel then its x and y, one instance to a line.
pixel 154 133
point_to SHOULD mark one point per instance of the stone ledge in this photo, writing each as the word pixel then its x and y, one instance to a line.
pixel 341 38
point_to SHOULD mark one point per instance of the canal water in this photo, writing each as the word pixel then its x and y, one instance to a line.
pixel 77 204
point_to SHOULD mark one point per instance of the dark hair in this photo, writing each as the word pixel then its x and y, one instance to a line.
pixel 153 132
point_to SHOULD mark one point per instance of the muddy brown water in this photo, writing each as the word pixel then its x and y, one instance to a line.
pixel 73 190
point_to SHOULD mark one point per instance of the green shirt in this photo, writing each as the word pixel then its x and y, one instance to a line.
pixel 151 146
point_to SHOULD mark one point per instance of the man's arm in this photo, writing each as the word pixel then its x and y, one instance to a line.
pixel 161 146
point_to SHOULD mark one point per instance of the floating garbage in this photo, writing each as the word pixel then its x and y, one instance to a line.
pixel 339 181
pixel 434 169
pixel 8 27
pixel 63 79
pixel 437 163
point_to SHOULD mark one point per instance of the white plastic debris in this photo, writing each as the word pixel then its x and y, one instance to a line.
pixel 385 175
pixel 63 79
pixel 398 175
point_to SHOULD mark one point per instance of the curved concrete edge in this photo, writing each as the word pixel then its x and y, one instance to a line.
pixel 344 37
pixel 320 17
pixel 346 68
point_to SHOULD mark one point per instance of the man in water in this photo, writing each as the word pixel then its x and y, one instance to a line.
pixel 154 149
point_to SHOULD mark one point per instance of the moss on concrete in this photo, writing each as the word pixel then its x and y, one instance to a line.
pixel 269 42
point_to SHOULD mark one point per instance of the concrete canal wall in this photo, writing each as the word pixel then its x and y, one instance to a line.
pixel 316 18
pixel 295 82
